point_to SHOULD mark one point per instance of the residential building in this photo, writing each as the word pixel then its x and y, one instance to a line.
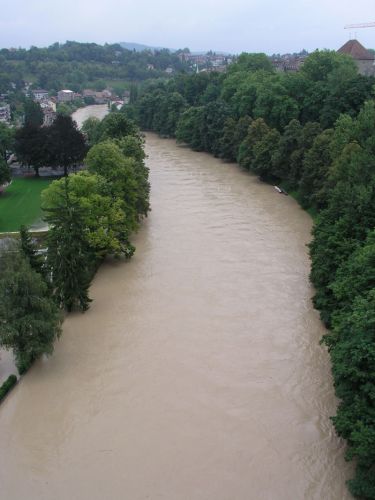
pixel 89 93
pixel 288 63
pixel 99 97
pixel 49 112
pixel 65 95
pixel 40 94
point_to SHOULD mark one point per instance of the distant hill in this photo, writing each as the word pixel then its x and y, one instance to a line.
pixel 139 47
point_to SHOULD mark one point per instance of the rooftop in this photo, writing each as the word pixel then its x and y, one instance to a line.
pixel 356 50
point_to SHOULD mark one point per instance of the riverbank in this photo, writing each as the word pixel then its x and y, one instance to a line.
pixel 26 192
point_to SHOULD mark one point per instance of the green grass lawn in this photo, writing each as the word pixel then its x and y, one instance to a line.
pixel 20 203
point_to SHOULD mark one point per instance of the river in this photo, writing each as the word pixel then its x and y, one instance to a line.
pixel 94 111
pixel 197 373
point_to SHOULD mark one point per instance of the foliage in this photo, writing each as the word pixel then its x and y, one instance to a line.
pixel 106 228
pixel 78 66
pixel 30 252
pixel 91 129
pixel 188 128
pixel 33 114
pixel 256 132
pixel 30 320
pixel 10 382
pixel 31 146
pixel 5 175
pixel 66 144
pixel 115 126
pixel 6 140
pixel 251 62
pixel 315 171
pixel 69 257
pixel 107 160
pixel 133 147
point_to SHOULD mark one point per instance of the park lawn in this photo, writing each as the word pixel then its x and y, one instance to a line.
pixel 20 203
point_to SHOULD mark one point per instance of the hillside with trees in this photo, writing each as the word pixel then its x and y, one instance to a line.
pixel 77 66
pixel 313 133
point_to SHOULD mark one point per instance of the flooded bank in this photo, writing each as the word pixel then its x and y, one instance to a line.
pixel 197 373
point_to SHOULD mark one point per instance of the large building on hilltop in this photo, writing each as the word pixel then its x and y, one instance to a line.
pixel 364 60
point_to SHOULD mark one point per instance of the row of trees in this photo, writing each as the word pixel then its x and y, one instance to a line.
pixel 91 214
pixel 59 145
pixel 314 132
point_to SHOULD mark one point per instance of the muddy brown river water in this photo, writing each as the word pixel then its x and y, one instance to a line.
pixel 197 373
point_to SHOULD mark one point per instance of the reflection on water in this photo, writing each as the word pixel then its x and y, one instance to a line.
pixel 197 374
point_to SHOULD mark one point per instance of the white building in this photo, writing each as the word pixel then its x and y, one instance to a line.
pixel 40 94
pixel 65 95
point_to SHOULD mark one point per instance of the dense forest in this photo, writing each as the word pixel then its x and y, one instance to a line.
pixel 313 133
pixel 77 65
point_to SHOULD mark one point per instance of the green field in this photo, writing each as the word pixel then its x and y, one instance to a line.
pixel 20 203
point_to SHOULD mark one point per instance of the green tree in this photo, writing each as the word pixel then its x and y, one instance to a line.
pixel 189 128
pixel 352 349
pixel 305 142
pixel 69 257
pixel 105 224
pixel 91 129
pixel 6 140
pixel 275 106
pixel 5 175
pixel 66 144
pixel 33 114
pixel 29 250
pixel 263 152
pixel 117 125
pixel 133 147
pixel 30 319
pixel 32 146
pixel 251 62
pixel 107 160
pixel 228 146
pixel 349 215
pixel 322 63
pixel 288 145
pixel 256 132
pixel 315 171
pixel 212 124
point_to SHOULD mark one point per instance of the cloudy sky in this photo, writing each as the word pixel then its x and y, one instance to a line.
pixel 235 26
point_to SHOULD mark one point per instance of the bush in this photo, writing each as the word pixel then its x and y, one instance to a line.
pixel 7 386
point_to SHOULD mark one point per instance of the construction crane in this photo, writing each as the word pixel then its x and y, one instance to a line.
pixel 362 25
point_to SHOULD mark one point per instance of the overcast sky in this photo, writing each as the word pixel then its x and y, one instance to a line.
pixel 235 26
